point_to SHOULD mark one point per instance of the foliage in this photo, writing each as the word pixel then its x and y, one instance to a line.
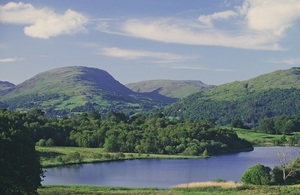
pixel 282 124
pixel 250 101
pixel 19 164
pixel 257 175
pixel 287 172
pixel 118 132
pixel 250 108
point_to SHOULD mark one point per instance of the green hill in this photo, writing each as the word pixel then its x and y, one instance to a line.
pixel 170 88
pixel 280 79
pixel 76 89
pixel 268 95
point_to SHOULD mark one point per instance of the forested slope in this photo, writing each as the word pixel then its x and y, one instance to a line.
pixel 269 95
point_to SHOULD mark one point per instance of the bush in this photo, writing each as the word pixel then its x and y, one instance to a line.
pixel 257 175
pixel 50 142
pixel 41 142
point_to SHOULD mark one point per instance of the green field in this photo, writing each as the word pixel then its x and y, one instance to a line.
pixel 58 156
pixel 93 190
pixel 258 138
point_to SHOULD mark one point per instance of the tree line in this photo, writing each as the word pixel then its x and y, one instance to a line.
pixel 117 132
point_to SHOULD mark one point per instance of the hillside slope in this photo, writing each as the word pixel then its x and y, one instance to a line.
pixel 268 95
pixel 170 88
pixel 5 86
pixel 76 89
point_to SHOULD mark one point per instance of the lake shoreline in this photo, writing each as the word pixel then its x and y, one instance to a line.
pixel 99 156
pixel 161 172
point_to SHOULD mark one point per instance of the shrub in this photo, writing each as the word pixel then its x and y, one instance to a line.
pixel 41 142
pixel 257 175
pixel 50 142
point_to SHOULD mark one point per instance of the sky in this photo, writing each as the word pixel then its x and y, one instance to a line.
pixel 214 41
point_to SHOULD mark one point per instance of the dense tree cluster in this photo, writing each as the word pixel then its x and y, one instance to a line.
pixel 117 132
pixel 20 169
pixel 280 124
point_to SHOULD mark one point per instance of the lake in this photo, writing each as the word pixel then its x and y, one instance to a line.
pixel 165 173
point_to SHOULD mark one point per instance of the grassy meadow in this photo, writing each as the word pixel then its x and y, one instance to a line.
pixel 257 138
pixel 202 188
pixel 58 156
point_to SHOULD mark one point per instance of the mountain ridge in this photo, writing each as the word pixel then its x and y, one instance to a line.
pixel 170 88
pixel 268 95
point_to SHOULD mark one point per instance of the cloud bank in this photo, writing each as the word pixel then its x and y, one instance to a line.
pixel 43 23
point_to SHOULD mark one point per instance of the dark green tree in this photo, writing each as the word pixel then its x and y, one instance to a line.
pixel 266 125
pixel 20 169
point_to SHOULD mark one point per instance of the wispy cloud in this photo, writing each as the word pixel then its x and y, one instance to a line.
pixel 288 61
pixel 43 22
pixel 202 68
pixel 159 57
pixel 6 60
pixel 208 20
pixel 254 24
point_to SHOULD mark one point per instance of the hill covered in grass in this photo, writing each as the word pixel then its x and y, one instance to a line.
pixel 170 88
pixel 273 94
pixel 77 89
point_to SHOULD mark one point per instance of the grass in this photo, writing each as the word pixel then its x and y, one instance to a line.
pixel 58 156
pixel 192 189
pixel 257 138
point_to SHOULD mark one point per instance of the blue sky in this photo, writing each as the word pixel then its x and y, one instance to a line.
pixel 215 41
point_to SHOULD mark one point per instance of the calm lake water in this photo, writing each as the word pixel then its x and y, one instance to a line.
pixel 166 173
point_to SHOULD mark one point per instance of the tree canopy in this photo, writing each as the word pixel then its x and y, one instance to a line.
pixel 20 169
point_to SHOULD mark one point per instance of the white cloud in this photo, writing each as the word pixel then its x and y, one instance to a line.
pixel 186 32
pixel 161 57
pixel 6 60
pixel 43 22
pixel 254 24
pixel 274 16
pixel 208 20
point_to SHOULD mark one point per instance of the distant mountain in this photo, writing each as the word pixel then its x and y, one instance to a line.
pixel 170 88
pixel 77 89
pixel 268 95
pixel 5 86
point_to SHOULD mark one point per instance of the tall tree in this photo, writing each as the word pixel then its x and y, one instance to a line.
pixel 20 169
